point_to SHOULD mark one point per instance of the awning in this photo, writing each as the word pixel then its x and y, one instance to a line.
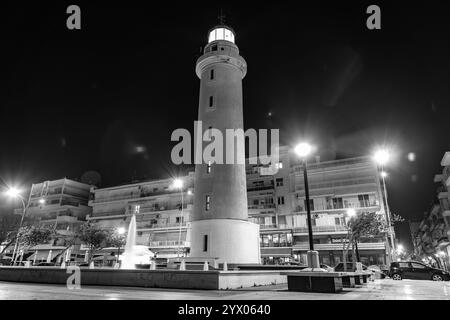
pixel 43 254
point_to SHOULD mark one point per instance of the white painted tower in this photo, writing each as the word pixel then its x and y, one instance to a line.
pixel 220 227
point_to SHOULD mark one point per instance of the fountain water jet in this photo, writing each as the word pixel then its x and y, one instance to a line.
pixel 134 254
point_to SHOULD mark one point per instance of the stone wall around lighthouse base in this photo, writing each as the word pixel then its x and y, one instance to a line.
pixel 228 240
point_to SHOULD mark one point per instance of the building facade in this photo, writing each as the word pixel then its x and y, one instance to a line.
pixel 432 239
pixel 275 202
pixel 160 222
pixel 60 205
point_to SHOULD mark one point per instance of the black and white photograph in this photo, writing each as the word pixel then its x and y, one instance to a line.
pixel 225 151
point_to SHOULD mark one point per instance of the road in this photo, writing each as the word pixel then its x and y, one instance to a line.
pixel 386 289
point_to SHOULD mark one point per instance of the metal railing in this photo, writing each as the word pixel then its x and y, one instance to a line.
pixel 168 243
pixel 331 228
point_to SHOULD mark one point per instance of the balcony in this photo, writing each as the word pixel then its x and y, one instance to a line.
pixel 260 188
pixel 361 204
pixel 304 246
pixel 161 226
pixel 267 226
pixel 262 206
pixel 317 229
pixel 169 243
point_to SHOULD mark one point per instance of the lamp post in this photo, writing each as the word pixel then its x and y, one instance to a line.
pixel 381 157
pixel 178 184
pixel 15 193
pixel 303 150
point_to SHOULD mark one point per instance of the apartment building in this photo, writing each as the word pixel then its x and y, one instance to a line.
pixel 161 224
pixel 432 239
pixel 277 202
pixel 61 205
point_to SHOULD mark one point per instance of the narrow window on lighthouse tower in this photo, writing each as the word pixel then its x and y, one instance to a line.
pixel 208 202
pixel 211 75
pixel 205 243
pixel 211 101
pixel 208 167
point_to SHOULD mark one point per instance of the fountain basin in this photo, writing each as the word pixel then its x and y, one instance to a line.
pixel 176 279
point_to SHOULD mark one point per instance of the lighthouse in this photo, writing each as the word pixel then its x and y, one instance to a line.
pixel 220 228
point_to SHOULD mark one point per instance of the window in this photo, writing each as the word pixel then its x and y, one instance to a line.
pixel 179 220
pixel 211 74
pixel 211 101
pixel 205 243
pixel 255 202
pixel 337 221
pixel 313 222
pixel 208 202
pixel 279 165
pixel 403 265
pixel 363 200
pixel 214 47
pixel 337 203
pixel 208 167
pixel 279 182
pixel 280 200
pixel 418 266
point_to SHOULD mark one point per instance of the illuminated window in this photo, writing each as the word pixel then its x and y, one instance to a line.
pixel 208 167
pixel 211 101
pixel 221 34
pixel 208 202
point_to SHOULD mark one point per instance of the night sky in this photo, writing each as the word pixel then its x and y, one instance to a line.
pixel 106 98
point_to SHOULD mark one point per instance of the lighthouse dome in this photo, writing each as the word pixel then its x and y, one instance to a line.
pixel 221 32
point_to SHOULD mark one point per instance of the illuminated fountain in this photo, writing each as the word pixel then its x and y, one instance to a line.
pixel 134 254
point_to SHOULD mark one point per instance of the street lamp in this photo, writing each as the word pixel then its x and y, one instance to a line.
pixel 303 150
pixel 381 158
pixel 178 184
pixel 14 193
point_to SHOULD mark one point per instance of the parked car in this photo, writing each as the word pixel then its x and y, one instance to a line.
pixel 351 267
pixel 326 267
pixel 416 270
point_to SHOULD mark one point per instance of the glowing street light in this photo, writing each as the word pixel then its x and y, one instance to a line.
pixel 121 230
pixel 383 174
pixel 303 149
pixel 42 201
pixel 381 156
pixel 351 213
pixel 178 183
pixel 13 192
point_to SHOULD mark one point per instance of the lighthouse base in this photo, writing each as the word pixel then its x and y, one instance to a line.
pixel 227 240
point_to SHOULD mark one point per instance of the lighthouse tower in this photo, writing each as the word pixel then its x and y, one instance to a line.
pixel 220 228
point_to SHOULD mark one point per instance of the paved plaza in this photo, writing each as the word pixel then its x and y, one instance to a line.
pixel 386 289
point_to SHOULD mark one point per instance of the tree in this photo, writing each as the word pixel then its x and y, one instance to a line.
pixel 365 225
pixel 34 235
pixel 94 237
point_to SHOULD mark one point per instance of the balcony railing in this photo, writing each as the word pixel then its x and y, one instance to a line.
pixel 162 225
pixel 332 228
pixel 262 206
pixel 260 188
pixel 354 205
pixel 169 243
